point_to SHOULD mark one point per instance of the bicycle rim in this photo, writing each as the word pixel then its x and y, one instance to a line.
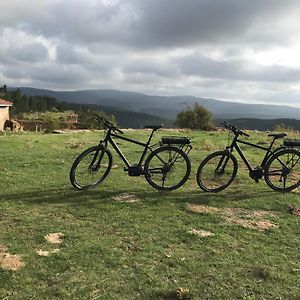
pixel 216 172
pixel 167 168
pixel 90 168
pixel 283 171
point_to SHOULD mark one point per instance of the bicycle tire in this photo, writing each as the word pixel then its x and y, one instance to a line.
pixel 210 177
pixel 166 163
pixel 282 171
pixel 99 163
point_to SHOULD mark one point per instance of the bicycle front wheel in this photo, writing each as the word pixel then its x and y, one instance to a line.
pixel 282 171
pixel 167 168
pixel 90 168
pixel 217 171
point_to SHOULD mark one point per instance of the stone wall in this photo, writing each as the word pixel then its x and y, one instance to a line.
pixel 4 115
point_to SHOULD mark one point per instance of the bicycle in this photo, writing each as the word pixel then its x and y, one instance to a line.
pixel 279 167
pixel 167 167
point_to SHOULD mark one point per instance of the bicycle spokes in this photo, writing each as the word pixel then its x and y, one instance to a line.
pixel 216 171
pixel 283 170
pixel 90 168
pixel 167 168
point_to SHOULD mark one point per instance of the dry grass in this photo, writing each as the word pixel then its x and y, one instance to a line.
pixel 253 219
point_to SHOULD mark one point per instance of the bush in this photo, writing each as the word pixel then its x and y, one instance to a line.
pixel 195 117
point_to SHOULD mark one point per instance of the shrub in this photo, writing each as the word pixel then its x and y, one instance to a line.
pixel 195 117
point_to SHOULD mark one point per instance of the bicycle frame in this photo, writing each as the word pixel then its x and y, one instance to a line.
pixel 108 139
pixel 269 151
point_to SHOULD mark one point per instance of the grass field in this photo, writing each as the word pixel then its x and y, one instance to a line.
pixel 125 240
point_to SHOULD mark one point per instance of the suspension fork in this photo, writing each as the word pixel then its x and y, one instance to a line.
pixel 101 148
pixel 225 157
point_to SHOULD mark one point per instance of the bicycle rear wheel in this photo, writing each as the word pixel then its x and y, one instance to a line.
pixel 217 171
pixel 90 168
pixel 282 171
pixel 167 168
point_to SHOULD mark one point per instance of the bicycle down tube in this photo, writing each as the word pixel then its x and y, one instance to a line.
pixel 119 152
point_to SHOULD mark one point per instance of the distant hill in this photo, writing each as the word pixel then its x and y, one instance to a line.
pixel 167 107
pixel 129 119
pixel 263 124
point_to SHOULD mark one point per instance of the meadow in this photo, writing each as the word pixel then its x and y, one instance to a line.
pixel 125 240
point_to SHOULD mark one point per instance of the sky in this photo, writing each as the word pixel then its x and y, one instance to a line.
pixel 234 50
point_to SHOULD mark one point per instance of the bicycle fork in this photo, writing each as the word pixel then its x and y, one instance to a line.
pixel 95 167
pixel 220 169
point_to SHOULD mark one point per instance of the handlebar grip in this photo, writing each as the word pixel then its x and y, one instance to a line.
pixel 234 129
pixel 244 133
pixel 118 130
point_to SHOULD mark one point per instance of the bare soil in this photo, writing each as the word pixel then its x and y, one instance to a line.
pixel 54 238
pixel 254 219
pixel 128 198
pixel 9 261
pixel 200 232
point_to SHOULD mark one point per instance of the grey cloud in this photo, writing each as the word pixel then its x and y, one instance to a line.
pixel 29 53
pixel 147 23
pixel 199 65
pixel 57 75
pixel 182 23
pixel 148 65
pixel 70 54
pixel 79 22
pixel 146 45
pixel 14 72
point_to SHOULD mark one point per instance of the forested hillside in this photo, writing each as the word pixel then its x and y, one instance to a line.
pixel 42 103
pixel 169 106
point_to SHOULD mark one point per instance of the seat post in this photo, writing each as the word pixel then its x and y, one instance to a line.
pixel 150 137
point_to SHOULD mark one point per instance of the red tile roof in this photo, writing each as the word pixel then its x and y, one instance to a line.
pixel 5 103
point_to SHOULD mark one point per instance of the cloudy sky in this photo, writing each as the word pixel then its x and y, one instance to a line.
pixel 236 50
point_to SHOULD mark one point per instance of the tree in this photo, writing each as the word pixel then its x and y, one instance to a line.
pixel 3 89
pixel 195 117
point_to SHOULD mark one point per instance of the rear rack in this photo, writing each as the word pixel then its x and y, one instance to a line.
pixel 291 143
pixel 183 143
pixel 175 140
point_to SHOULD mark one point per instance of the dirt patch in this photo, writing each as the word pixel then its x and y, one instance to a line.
pixel 3 249
pixel 252 224
pixel 253 219
pixel 75 145
pixel 200 232
pixel 202 208
pixel 128 198
pixel 54 238
pixel 294 210
pixel 9 261
pixel 46 253
pixel 176 129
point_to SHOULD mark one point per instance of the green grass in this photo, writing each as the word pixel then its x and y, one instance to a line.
pixel 140 250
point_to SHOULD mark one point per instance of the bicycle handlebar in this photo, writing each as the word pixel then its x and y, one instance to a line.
pixel 234 129
pixel 107 124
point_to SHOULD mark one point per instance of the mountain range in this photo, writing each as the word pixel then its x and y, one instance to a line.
pixel 167 107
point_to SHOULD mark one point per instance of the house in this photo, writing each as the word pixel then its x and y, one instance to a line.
pixel 73 118
pixel 4 112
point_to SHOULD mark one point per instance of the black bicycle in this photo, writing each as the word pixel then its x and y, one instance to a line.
pixel 167 167
pixel 280 167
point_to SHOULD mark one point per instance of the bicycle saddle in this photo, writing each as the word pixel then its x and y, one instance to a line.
pixel 154 127
pixel 278 135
